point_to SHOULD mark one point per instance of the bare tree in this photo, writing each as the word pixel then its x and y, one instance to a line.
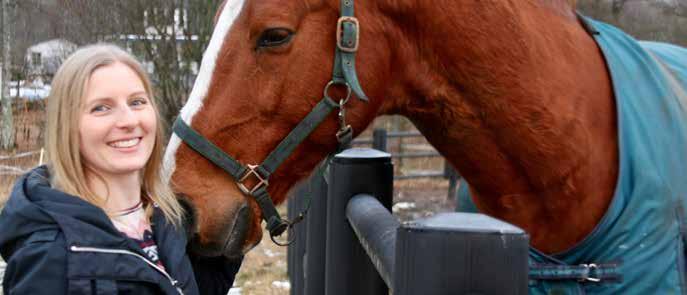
pixel 7 126
pixel 177 33
pixel 168 35
pixel 88 21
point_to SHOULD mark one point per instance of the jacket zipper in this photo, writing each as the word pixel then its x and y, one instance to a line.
pixel 126 252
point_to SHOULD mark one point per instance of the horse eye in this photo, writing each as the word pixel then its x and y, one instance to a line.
pixel 274 37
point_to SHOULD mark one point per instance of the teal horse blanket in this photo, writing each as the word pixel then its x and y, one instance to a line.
pixel 639 245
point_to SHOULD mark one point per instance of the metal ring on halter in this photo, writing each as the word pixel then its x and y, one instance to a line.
pixel 290 231
pixel 591 275
pixel 343 101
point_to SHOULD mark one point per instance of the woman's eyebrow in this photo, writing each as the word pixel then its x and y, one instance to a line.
pixel 138 93
pixel 99 99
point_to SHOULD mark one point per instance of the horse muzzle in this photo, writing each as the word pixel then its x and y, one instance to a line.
pixel 238 232
pixel 230 242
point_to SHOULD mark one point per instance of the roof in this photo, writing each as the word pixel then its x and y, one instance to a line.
pixel 53 45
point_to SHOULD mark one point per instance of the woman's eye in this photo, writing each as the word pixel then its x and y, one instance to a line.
pixel 274 37
pixel 99 108
pixel 139 101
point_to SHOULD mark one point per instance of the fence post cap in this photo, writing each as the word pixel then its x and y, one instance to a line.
pixel 362 155
pixel 464 222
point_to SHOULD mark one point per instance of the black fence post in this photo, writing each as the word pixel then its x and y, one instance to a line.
pixel 379 139
pixel 348 268
pixel 452 175
pixel 290 255
pixel 296 251
pixel 315 241
pixel 460 253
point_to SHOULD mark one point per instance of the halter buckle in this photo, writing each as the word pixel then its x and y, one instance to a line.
pixel 591 273
pixel 348 45
pixel 251 171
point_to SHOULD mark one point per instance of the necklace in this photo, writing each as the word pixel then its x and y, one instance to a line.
pixel 131 221
pixel 127 211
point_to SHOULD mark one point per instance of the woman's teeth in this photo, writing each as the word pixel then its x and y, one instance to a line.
pixel 125 143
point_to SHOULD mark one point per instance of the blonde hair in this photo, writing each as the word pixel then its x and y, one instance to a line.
pixel 62 136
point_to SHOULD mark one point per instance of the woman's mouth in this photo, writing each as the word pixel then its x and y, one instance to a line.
pixel 125 143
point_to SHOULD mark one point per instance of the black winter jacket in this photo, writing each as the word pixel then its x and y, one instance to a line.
pixel 55 243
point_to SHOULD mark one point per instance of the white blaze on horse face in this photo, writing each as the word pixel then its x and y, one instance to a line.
pixel 202 84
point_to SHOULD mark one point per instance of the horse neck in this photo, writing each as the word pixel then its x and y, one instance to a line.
pixel 517 97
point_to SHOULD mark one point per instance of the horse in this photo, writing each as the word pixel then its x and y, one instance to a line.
pixel 522 97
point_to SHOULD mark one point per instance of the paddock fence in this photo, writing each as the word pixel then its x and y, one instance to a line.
pixel 14 165
pixel 403 151
pixel 350 242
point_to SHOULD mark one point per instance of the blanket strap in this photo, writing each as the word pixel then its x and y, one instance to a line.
pixel 584 273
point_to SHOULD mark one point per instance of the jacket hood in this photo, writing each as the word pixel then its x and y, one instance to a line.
pixel 35 206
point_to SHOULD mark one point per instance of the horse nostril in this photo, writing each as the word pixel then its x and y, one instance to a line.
pixel 240 226
pixel 242 219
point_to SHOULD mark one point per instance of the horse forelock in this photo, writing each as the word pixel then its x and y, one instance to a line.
pixel 229 12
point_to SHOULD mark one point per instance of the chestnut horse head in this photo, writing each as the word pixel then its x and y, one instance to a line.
pixel 452 67
pixel 239 106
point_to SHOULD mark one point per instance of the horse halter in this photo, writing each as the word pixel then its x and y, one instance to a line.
pixel 344 74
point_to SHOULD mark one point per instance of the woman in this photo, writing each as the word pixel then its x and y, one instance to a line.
pixel 99 219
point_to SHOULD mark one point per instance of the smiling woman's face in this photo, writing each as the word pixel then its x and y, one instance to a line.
pixel 117 122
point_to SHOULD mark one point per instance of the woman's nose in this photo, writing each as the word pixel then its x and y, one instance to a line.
pixel 127 118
